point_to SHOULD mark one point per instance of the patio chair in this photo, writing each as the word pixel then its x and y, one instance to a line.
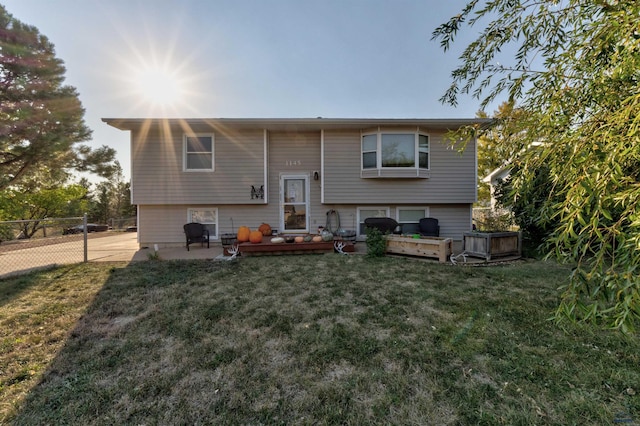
pixel 429 227
pixel 385 225
pixel 196 233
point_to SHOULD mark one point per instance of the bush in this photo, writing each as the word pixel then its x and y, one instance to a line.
pixel 376 243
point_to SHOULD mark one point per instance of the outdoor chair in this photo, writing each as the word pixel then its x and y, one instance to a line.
pixel 385 225
pixel 429 227
pixel 196 233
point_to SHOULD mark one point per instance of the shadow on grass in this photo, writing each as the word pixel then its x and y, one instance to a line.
pixel 332 339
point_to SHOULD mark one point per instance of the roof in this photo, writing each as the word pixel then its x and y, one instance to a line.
pixel 299 124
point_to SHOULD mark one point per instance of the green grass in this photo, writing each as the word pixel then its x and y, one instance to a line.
pixel 325 339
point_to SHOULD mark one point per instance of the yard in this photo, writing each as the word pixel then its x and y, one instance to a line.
pixel 324 339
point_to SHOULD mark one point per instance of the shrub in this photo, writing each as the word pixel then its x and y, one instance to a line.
pixel 376 243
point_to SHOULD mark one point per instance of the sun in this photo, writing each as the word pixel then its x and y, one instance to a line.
pixel 158 86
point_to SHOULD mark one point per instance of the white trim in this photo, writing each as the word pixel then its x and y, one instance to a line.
pixel 184 152
pixel 396 172
pixel 427 212
pixel 322 166
pixel 214 236
pixel 358 221
pixel 306 177
pixel 266 166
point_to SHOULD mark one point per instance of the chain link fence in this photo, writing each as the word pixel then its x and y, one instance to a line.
pixel 26 245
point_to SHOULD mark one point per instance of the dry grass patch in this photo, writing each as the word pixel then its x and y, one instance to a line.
pixel 325 339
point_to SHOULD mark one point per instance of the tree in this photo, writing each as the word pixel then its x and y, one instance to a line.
pixel 574 72
pixel 113 198
pixel 41 203
pixel 494 145
pixel 41 120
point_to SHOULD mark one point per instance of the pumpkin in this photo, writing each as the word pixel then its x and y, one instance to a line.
pixel 265 228
pixel 317 239
pixel 255 237
pixel 243 234
pixel 299 239
pixel 327 236
pixel 277 240
pixel 307 238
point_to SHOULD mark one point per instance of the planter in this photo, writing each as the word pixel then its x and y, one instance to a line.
pixel 440 248
pixel 489 245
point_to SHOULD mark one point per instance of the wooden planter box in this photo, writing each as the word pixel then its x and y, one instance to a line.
pixel 269 248
pixel 440 248
pixel 489 245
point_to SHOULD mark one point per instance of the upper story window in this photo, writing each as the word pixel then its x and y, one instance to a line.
pixel 388 154
pixel 198 153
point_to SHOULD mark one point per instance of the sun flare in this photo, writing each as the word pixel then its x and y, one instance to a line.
pixel 158 86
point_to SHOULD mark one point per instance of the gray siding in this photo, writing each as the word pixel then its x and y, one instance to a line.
pixel 295 153
pixel 454 219
pixel 158 176
pixel 163 224
pixel 164 193
pixel 452 175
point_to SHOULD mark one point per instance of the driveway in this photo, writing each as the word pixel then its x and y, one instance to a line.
pixel 21 256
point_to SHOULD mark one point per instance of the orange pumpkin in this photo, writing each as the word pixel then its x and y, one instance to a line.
pixel 255 237
pixel 317 239
pixel 243 234
pixel 299 239
pixel 265 228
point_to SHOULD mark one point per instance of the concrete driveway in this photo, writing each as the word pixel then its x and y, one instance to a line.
pixel 22 256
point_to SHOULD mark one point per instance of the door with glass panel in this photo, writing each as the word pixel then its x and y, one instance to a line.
pixel 294 203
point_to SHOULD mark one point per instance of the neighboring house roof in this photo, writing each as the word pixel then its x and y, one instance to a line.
pixel 505 169
pixel 301 124
pixel 499 173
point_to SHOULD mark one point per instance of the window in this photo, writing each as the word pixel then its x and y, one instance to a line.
pixel 409 218
pixel 198 153
pixel 395 155
pixel 207 217
pixel 366 212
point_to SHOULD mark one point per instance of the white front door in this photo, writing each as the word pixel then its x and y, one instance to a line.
pixel 294 203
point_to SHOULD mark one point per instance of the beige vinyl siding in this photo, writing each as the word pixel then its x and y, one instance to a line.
pixel 454 219
pixel 163 224
pixel 158 176
pixel 452 175
pixel 295 153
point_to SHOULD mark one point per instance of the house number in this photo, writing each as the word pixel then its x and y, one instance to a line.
pixel 293 163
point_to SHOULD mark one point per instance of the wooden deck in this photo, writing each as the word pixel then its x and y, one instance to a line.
pixel 266 247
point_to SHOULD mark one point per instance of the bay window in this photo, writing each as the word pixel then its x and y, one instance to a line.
pixel 395 154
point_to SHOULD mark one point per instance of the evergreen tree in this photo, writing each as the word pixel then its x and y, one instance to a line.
pixel 41 119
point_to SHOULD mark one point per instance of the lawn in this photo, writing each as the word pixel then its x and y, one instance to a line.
pixel 315 339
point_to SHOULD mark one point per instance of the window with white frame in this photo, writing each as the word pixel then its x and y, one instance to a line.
pixel 367 212
pixel 198 153
pixel 206 216
pixel 409 218
pixel 401 151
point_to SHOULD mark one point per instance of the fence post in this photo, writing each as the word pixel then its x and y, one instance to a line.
pixel 86 250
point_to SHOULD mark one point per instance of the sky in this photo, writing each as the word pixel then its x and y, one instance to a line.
pixel 249 59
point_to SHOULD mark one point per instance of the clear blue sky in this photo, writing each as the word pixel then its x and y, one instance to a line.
pixel 251 58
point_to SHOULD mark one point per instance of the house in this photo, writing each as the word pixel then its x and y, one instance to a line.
pixel 500 174
pixel 494 179
pixel 289 173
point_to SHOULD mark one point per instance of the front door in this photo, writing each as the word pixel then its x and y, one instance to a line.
pixel 294 203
